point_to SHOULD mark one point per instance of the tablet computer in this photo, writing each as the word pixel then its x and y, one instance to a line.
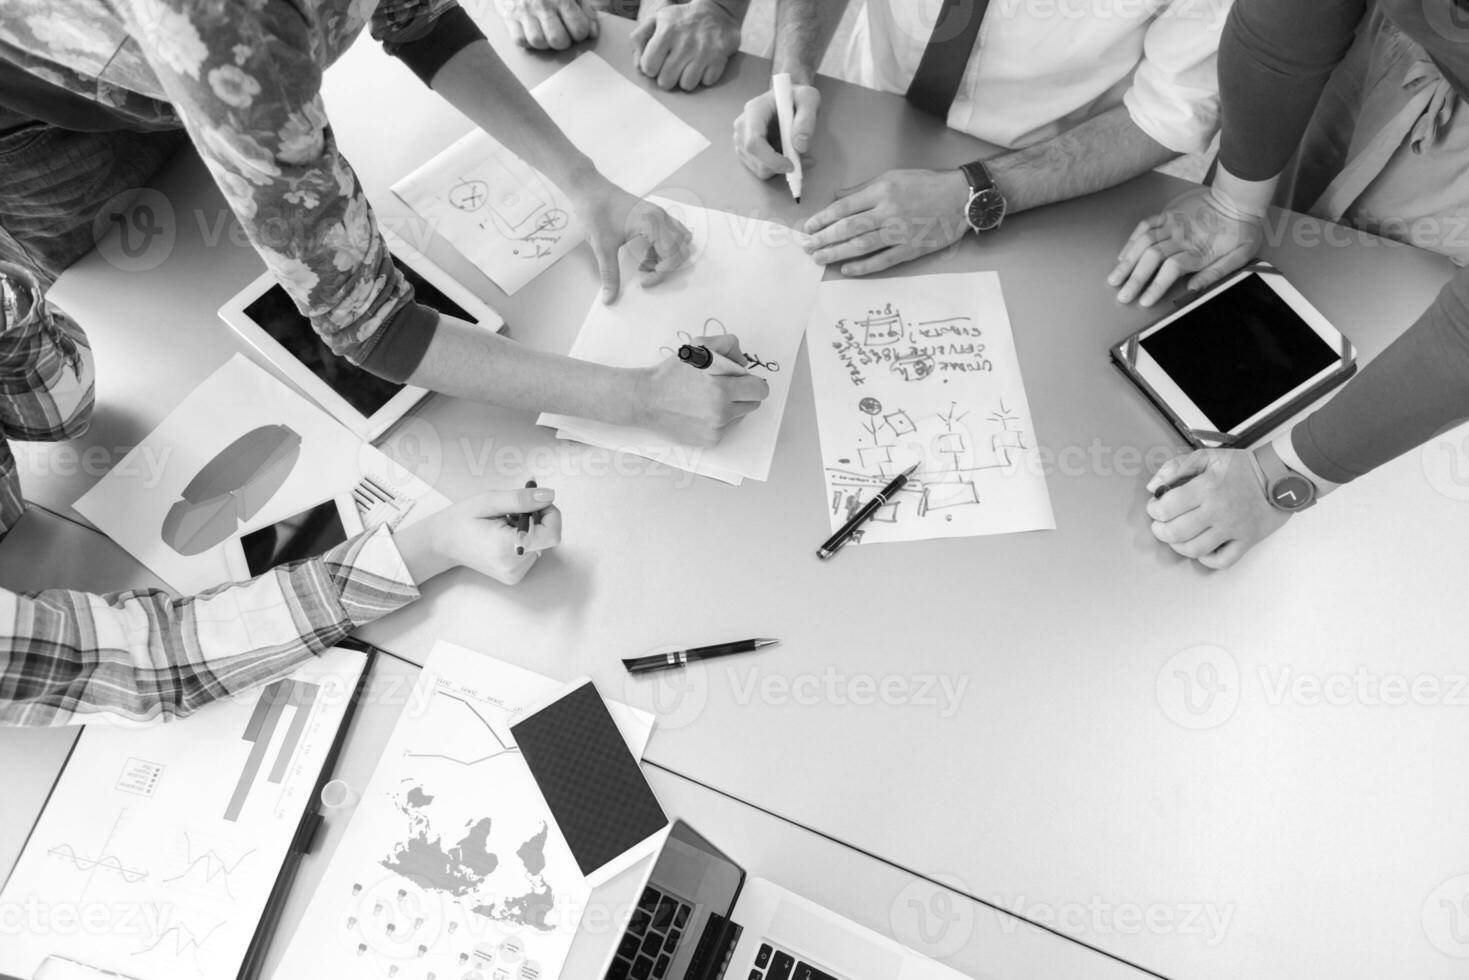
pixel 265 315
pixel 1235 362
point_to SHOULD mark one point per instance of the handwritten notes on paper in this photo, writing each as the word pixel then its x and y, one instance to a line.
pixel 749 278
pixel 504 215
pixel 923 370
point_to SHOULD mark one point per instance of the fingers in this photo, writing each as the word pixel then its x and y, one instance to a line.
pixel 639 37
pixel 656 51
pixel 1215 271
pixel 746 388
pixel 1204 543
pixel 606 254
pixel 1169 272
pixel 1224 556
pixel 691 76
pixel 551 26
pixel 1148 265
pixel 1187 526
pixel 807 101
pixel 517 30
pixel 672 242
pixel 545 533
pixel 1189 465
pixel 578 22
pixel 535 34
pixel 845 207
pixel 879 261
pixel 839 231
pixel 715 71
pixel 725 345
pixel 504 503
pixel 754 151
pixel 1143 237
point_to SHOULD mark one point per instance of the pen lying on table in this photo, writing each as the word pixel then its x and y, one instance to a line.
pixel 682 658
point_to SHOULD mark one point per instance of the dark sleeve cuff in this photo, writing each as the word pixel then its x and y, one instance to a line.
pixel 402 342
pixel 453 31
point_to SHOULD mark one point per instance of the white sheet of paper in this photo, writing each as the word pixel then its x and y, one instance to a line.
pixel 509 219
pixel 132 502
pixel 167 840
pixel 452 862
pixel 923 370
pixel 748 277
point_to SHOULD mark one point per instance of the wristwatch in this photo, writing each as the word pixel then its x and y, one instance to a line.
pixel 1286 489
pixel 985 208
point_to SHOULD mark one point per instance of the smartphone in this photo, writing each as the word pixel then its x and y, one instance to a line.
pixel 593 785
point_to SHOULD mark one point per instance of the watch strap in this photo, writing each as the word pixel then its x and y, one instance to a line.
pixel 978 176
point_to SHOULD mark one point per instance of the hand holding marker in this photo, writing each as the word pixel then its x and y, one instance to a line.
pixel 785 117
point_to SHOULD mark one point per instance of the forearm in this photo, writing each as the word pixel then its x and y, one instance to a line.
pixel 68 657
pixel 736 9
pixel 1412 391
pixel 468 362
pixel 1102 152
pixel 477 83
pixel 803 32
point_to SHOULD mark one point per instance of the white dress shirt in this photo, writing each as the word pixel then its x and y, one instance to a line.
pixel 1041 67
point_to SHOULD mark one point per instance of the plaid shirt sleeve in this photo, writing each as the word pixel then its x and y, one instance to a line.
pixel 148 656
pixel 46 382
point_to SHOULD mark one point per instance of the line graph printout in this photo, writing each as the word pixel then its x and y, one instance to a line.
pixel 923 370
pixel 452 865
pixel 148 840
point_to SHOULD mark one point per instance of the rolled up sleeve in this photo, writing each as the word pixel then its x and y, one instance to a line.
pixel 423 34
pixel 244 80
pixel 1174 96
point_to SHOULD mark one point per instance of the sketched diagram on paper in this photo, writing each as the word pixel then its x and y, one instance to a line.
pixel 714 327
pixel 512 199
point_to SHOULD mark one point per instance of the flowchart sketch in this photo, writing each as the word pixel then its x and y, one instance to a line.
pixel 923 370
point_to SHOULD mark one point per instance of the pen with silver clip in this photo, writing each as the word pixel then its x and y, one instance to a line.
pixel 682 658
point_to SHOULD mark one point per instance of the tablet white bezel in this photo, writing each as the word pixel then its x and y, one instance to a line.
pixel 364 426
pixel 1191 416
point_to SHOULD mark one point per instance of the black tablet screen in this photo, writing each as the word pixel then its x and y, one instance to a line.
pixel 276 314
pixel 1239 352
pixel 304 536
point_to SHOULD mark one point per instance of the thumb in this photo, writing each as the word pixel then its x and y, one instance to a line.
pixel 1178 468
pixel 504 503
pixel 607 265
pixel 803 123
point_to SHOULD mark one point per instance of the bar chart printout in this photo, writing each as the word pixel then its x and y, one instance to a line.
pixel 178 832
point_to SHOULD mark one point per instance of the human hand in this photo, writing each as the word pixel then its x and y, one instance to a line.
pixel 695 406
pixel 685 45
pixel 753 126
pixel 479 532
pixel 542 24
pixel 1203 231
pixel 613 218
pixel 1220 513
pixel 890 219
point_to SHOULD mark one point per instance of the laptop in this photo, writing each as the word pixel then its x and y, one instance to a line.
pixel 700 917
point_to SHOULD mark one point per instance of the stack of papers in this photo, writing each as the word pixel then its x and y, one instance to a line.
pixel 453 862
pixel 748 277
pixel 508 218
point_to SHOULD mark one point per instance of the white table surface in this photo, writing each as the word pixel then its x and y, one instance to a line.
pixel 1270 831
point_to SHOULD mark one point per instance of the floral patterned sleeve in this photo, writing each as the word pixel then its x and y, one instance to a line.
pixel 245 77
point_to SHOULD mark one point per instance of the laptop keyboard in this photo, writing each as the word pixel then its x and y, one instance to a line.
pixel 652 936
pixel 777 964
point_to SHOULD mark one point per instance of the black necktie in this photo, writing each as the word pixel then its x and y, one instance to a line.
pixel 941 69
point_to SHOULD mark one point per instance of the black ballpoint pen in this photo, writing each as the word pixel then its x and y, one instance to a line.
pixel 834 543
pixel 682 658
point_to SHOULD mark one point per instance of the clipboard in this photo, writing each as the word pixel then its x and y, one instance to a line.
pixel 66 964
pixel 1124 356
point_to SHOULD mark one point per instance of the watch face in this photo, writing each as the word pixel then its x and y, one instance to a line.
pixel 986 209
pixel 1292 492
